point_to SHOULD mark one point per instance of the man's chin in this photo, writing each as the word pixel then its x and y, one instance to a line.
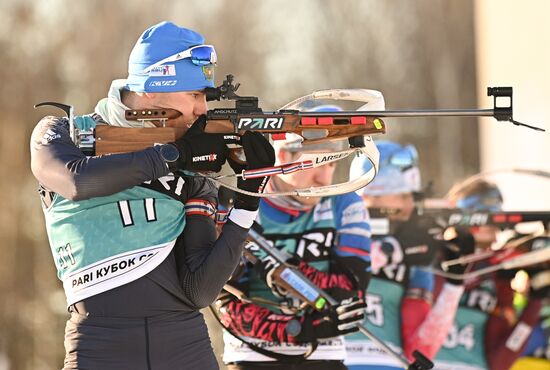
pixel 181 128
pixel 308 201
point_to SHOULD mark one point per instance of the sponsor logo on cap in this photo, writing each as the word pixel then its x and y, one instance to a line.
pixel 163 83
pixel 164 70
pixel 208 72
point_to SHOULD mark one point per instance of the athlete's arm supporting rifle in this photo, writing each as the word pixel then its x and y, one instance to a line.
pixel 291 279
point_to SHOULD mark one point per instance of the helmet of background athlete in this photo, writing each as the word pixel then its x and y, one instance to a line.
pixel 398 170
pixel 478 195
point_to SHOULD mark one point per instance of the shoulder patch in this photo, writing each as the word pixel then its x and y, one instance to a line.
pixel 354 213
pixel 323 210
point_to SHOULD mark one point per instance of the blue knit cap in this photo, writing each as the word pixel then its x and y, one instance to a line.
pixel 392 177
pixel 488 200
pixel 161 41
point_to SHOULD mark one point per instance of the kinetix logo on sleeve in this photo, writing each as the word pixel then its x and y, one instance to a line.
pixel 206 158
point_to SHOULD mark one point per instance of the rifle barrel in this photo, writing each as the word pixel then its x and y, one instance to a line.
pixel 411 113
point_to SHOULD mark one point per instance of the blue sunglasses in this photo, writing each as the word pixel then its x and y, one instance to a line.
pixel 403 158
pixel 489 201
pixel 200 55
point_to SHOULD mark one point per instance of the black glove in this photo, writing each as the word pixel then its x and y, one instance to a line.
pixel 199 151
pixel 460 243
pixel 337 320
pixel 417 240
pixel 259 153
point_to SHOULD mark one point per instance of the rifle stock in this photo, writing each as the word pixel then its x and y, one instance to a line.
pixel 110 139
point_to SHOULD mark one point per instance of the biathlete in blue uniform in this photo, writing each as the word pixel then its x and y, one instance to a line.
pixel 329 239
pixel 133 235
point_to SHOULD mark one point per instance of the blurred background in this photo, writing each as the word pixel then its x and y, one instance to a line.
pixel 420 54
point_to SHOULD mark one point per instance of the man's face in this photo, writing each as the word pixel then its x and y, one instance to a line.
pixel 191 104
pixel 402 203
pixel 315 177
pixel 484 236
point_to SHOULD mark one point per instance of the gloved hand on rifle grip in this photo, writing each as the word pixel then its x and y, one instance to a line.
pixel 259 153
pixel 199 151
pixel 266 271
pixel 460 243
pixel 337 320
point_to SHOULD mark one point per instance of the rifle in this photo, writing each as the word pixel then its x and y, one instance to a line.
pixel 502 220
pixel 317 127
pixel 307 127
pixel 312 127
pixel 245 115
pixel 526 251
pixel 290 278
pixel 447 217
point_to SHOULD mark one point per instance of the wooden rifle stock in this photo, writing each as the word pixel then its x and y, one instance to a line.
pixel 110 139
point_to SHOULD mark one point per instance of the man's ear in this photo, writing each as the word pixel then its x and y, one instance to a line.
pixel 283 156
